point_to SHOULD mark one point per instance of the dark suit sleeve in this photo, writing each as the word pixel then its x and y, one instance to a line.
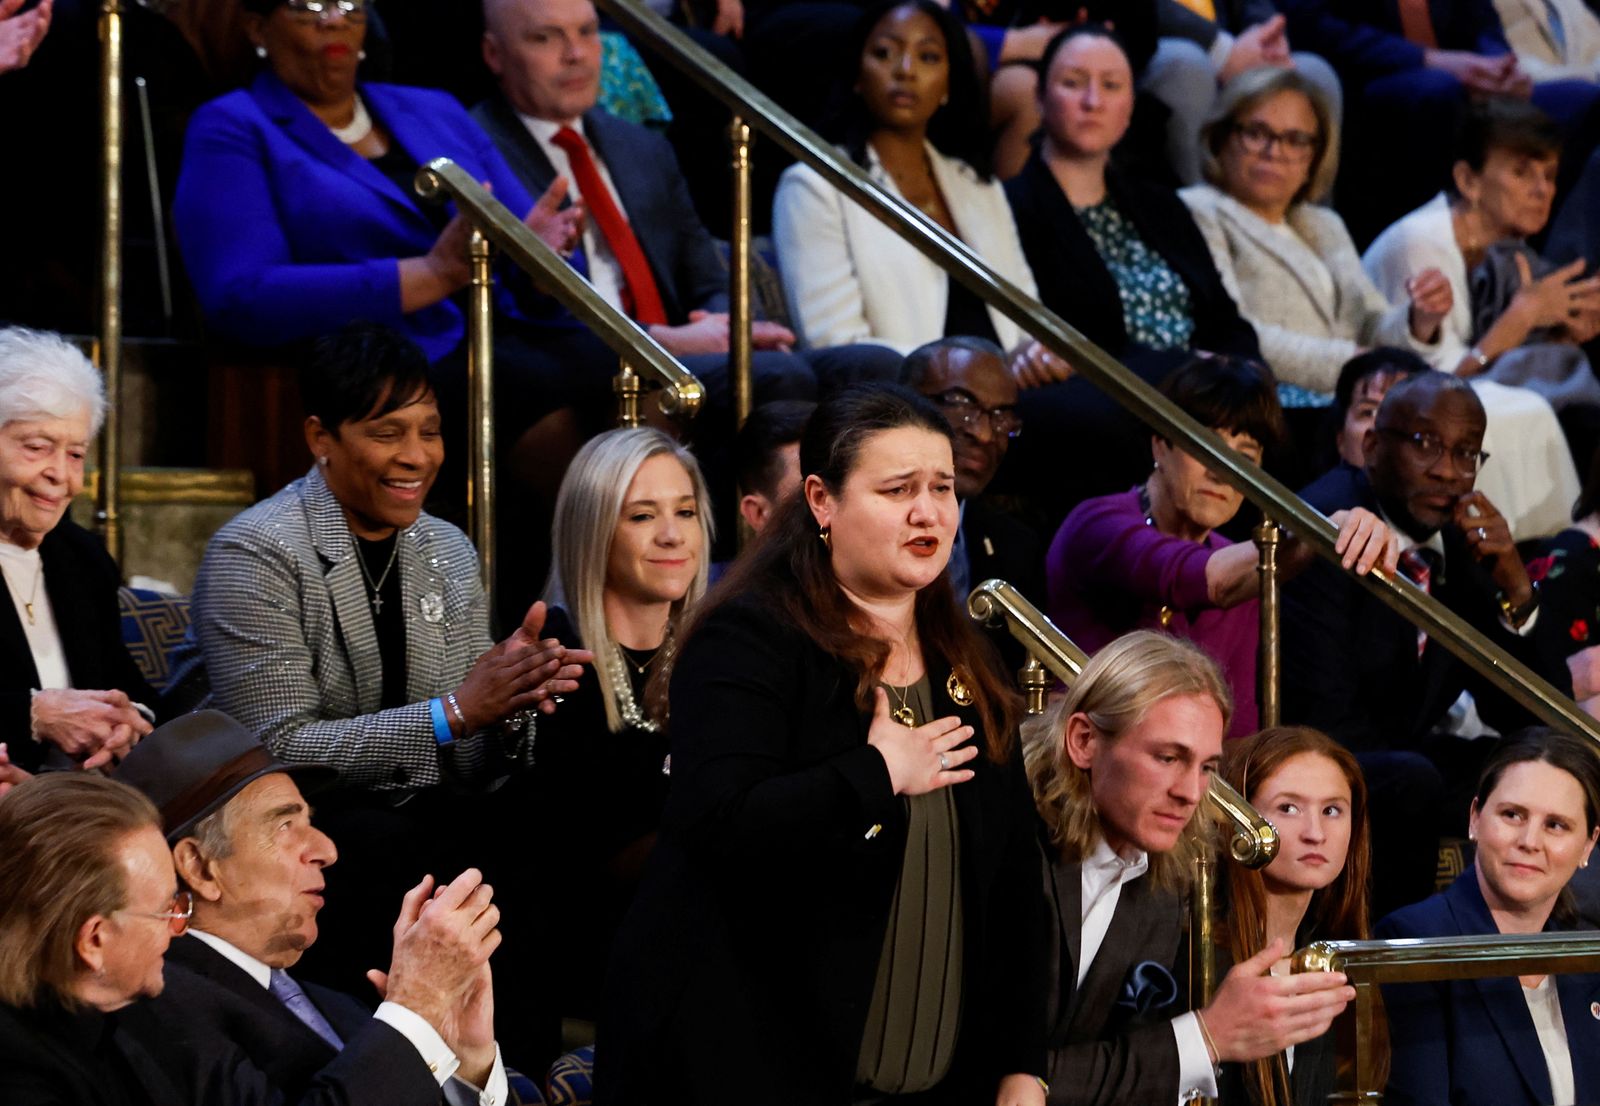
pixel 1140 1065
pixel 1019 931
pixel 1175 20
pixel 1418 1017
pixel 121 671
pixel 1352 45
pixel 1322 684
pixel 745 783
pixel 378 1067
pixel 699 280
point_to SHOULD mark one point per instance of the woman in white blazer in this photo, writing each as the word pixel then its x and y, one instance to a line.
pixel 912 120
pixel 1270 152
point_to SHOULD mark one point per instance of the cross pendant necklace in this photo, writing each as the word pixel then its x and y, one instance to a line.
pixel 361 562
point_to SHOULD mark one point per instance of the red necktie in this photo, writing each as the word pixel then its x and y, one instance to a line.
pixel 1416 565
pixel 1416 23
pixel 640 297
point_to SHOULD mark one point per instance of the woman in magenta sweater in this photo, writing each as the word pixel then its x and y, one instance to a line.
pixel 1150 558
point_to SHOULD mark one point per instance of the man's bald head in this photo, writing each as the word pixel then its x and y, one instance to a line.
pixel 1423 450
pixel 545 55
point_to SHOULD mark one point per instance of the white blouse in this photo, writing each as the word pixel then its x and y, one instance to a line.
pixel 1544 1003
pixel 24 573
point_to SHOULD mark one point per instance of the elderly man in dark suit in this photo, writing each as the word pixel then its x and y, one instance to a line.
pixel 968 379
pixel 644 249
pixel 1355 669
pixel 246 851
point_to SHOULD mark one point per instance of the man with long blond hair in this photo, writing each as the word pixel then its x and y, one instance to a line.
pixel 1119 766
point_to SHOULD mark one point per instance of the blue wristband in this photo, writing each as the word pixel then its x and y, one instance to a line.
pixel 441 725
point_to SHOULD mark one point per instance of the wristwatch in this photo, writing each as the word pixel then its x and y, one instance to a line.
pixel 1517 617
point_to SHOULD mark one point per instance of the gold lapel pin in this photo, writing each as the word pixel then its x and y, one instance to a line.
pixel 959 693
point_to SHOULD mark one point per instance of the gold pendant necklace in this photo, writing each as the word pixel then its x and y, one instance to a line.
pixel 904 714
pixel 33 595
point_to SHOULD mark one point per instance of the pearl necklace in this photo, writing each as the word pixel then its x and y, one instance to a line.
pixel 359 127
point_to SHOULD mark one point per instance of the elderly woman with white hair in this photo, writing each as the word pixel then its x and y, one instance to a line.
pixel 69 692
pixel 630 553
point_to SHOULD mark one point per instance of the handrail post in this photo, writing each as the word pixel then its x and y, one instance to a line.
pixel 1267 537
pixel 1035 684
pixel 109 344
pixel 1202 935
pixel 740 315
pixel 628 387
pixel 480 407
pixel 1357 1033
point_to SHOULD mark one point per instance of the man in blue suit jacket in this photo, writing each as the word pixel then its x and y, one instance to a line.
pixel 1405 94
pixel 546 56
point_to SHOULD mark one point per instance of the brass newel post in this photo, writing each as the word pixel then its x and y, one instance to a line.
pixel 480 410
pixel 1035 684
pixel 1202 936
pixel 627 386
pixel 740 315
pixel 1267 537
pixel 108 346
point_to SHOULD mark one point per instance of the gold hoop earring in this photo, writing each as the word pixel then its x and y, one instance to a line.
pixel 825 533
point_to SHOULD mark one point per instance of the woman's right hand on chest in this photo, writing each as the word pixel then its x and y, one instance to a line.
pixel 920 758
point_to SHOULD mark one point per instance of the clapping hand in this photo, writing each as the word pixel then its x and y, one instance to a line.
pixel 10 774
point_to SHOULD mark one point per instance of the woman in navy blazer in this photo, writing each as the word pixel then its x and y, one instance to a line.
pixel 1501 1042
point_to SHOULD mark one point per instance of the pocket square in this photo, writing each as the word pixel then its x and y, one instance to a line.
pixel 1147 988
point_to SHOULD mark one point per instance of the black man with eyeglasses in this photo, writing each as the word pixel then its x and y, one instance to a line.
pixel 1419 720
pixel 970 381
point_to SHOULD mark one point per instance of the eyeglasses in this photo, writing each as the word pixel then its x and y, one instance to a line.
pixel 309 11
pixel 177 918
pixel 1429 448
pixel 1258 138
pixel 963 410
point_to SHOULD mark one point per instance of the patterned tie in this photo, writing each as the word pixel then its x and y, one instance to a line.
pixel 288 992
pixel 640 297
pixel 1417 565
pixel 1416 23
pixel 1206 9
pixel 1558 28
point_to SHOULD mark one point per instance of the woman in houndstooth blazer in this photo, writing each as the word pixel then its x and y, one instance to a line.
pixel 345 626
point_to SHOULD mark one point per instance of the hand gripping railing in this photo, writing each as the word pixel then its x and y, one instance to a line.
pixel 1252 840
pixel 1424 960
pixel 1280 505
pixel 493 225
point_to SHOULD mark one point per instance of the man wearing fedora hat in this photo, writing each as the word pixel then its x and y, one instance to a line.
pixel 232 1021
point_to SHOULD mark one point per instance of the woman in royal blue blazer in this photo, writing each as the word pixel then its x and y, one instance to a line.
pixel 296 215
pixel 1505 1041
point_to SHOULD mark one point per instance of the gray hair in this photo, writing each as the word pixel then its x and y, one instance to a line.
pixel 588 508
pixel 213 834
pixel 44 376
pixel 1256 86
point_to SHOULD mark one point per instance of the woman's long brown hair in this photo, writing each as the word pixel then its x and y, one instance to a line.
pixel 1338 912
pixel 791 569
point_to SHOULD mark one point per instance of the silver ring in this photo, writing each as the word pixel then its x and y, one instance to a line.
pixel 944 763
pixel 1482 533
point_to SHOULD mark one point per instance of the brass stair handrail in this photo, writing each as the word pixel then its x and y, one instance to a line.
pixel 1367 964
pixel 1160 414
pixel 681 391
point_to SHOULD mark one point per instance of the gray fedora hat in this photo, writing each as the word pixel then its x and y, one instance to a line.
pixel 194 764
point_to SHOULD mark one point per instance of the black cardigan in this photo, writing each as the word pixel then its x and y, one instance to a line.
pixel 81 580
pixel 1075 283
pixel 752 947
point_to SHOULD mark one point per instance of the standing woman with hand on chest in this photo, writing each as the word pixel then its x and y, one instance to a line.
pixel 844 904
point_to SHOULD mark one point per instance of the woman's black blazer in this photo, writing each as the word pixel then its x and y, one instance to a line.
pixel 744 971
pixel 81 580
pixel 1074 282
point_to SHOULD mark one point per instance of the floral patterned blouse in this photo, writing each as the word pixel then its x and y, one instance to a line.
pixel 1568 574
pixel 1155 301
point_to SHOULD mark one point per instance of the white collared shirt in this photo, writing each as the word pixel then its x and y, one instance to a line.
pixel 605 272
pixel 441 1061
pixel 1104 873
